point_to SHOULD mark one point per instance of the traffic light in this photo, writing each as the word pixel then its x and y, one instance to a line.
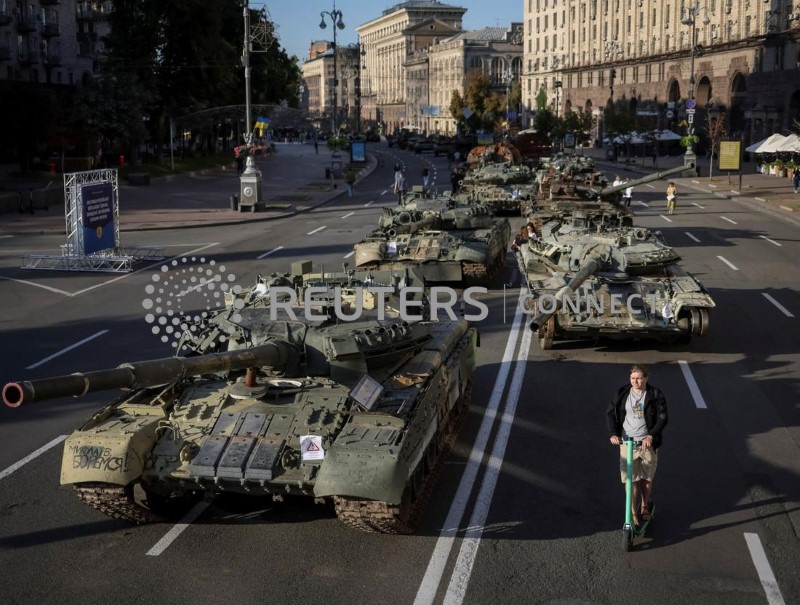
pixel 557 84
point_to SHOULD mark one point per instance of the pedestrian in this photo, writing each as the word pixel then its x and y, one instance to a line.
pixel 638 412
pixel 425 176
pixel 531 230
pixel 617 181
pixel 520 239
pixel 399 183
pixel 796 178
pixel 316 146
pixel 627 195
pixel 672 197
pixel 350 179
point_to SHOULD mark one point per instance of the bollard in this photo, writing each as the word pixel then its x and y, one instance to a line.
pixel 234 202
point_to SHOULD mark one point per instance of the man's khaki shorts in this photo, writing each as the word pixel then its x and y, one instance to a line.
pixel 644 463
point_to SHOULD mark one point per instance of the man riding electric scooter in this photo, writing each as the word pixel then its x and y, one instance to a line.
pixel 638 414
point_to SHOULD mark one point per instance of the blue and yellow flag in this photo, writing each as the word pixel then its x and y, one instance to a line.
pixel 262 124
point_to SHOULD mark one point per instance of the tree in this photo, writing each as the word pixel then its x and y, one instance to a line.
pixel 546 122
pixel 715 131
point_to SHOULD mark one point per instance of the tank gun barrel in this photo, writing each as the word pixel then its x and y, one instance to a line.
pixel 588 269
pixel 143 374
pixel 610 190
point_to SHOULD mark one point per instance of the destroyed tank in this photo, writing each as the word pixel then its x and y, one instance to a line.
pixel 586 190
pixel 272 401
pixel 501 187
pixel 460 244
pixel 618 282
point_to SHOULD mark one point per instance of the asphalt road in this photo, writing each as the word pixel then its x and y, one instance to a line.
pixel 529 509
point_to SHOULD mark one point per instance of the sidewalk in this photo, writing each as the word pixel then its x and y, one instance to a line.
pixel 293 180
pixel 772 194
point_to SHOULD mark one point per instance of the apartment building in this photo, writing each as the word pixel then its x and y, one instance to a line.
pixel 318 80
pixel 388 42
pixel 51 41
pixel 740 56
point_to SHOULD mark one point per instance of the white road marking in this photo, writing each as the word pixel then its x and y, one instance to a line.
pixel 156 264
pixel 20 463
pixel 782 309
pixel 469 546
pixel 317 230
pixel 771 241
pixel 266 254
pixel 651 186
pixel 727 262
pixel 5 236
pixel 177 529
pixel 725 218
pixel 441 552
pixel 692 236
pixel 643 204
pixel 384 192
pixel 669 220
pixel 69 348
pixel 692 383
pixel 761 563
pixel 42 286
pixel 369 203
pixel 349 254
pixel 349 214
pixel 698 205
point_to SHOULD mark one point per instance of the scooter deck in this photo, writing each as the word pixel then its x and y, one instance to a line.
pixel 641 529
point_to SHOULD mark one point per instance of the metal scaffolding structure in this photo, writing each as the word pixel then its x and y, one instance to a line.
pixel 74 255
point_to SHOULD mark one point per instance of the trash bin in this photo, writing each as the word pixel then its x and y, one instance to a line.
pixel 234 202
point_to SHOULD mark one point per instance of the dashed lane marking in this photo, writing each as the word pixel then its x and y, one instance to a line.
pixel 178 529
pixel 349 254
pixel 669 220
pixel 266 254
pixel 698 205
pixel 727 262
pixel 349 214
pixel 731 221
pixel 780 307
pixel 689 235
pixel 369 203
pixel 317 230
pixel 771 241
pixel 692 383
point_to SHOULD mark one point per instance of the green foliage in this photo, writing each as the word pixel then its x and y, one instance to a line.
pixel 620 118
pixel 546 123
pixel 337 142
pixel 689 140
pixel 541 99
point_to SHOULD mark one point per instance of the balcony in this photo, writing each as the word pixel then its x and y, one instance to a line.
pixel 50 30
pixel 49 2
pixel 51 58
pixel 26 24
pixel 91 11
pixel 27 57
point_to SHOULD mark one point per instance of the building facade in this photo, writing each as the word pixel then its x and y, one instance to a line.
pixel 495 52
pixel 388 43
pixel 51 41
pixel 740 56
pixel 318 81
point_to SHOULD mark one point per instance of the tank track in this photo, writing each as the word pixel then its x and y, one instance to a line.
pixel 114 501
pixel 382 517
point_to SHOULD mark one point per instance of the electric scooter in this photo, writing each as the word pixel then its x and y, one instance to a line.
pixel 629 530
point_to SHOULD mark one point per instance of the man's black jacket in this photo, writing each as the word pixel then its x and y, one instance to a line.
pixel 655 412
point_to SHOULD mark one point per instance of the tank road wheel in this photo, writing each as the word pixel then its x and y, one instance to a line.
pixel 115 501
pixel 546 334
pixel 377 516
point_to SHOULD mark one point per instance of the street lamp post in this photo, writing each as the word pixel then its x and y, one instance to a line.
pixel 692 13
pixel 336 21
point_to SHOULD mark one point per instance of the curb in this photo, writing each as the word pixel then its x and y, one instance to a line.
pixel 370 168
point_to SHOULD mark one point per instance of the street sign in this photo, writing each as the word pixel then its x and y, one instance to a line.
pixel 690 103
pixel 670 113
pixel 690 118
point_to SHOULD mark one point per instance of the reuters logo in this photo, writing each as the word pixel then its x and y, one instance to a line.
pixel 184 293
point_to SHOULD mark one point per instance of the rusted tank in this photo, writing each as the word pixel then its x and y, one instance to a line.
pixel 448 243
pixel 624 283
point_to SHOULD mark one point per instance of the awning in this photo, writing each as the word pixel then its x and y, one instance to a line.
pixel 790 144
pixel 768 145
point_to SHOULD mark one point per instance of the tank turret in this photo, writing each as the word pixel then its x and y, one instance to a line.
pixel 323 385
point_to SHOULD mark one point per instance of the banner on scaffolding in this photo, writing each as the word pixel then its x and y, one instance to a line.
pixel 97 200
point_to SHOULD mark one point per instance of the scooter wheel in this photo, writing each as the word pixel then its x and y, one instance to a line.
pixel 627 539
